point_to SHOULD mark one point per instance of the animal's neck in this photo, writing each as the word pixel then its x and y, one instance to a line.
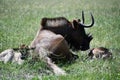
pixel 63 30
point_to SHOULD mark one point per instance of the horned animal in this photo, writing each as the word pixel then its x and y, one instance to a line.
pixel 73 31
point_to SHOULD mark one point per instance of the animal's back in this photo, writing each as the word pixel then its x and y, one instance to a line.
pixel 44 36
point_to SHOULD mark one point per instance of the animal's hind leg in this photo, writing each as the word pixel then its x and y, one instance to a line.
pixel 43 54
pixel 54 67
pixel 6 55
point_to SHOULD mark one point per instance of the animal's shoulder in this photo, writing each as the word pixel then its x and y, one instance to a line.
pixel 54 22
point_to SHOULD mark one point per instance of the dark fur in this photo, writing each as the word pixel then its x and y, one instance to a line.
pixel 73 32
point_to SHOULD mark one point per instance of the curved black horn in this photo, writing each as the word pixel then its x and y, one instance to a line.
pixel 83 19
pixel 90 24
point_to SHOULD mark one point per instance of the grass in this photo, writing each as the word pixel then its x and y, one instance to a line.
pixel 20 20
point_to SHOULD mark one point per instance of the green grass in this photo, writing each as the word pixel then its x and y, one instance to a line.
pixel 20 20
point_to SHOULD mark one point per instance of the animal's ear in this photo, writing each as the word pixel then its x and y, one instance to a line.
pixel 75 24
pixel 91 52
pixel 22 46
pixel 79 20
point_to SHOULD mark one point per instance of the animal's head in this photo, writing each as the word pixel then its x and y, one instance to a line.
pixel 100 52
pixel 78 38
pixel 24 50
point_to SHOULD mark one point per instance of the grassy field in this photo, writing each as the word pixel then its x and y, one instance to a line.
pixel 20 20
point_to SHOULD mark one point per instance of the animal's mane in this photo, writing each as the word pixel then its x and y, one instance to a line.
pixel 54 22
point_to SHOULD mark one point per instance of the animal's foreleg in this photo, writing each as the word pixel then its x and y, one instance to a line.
pixel 54 67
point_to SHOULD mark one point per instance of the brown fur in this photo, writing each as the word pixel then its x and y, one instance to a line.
pixel 54 22
pixel 51 47
pixel 100 52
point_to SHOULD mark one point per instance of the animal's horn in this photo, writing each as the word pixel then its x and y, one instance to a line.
pixel 83 19
pixel 90 24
